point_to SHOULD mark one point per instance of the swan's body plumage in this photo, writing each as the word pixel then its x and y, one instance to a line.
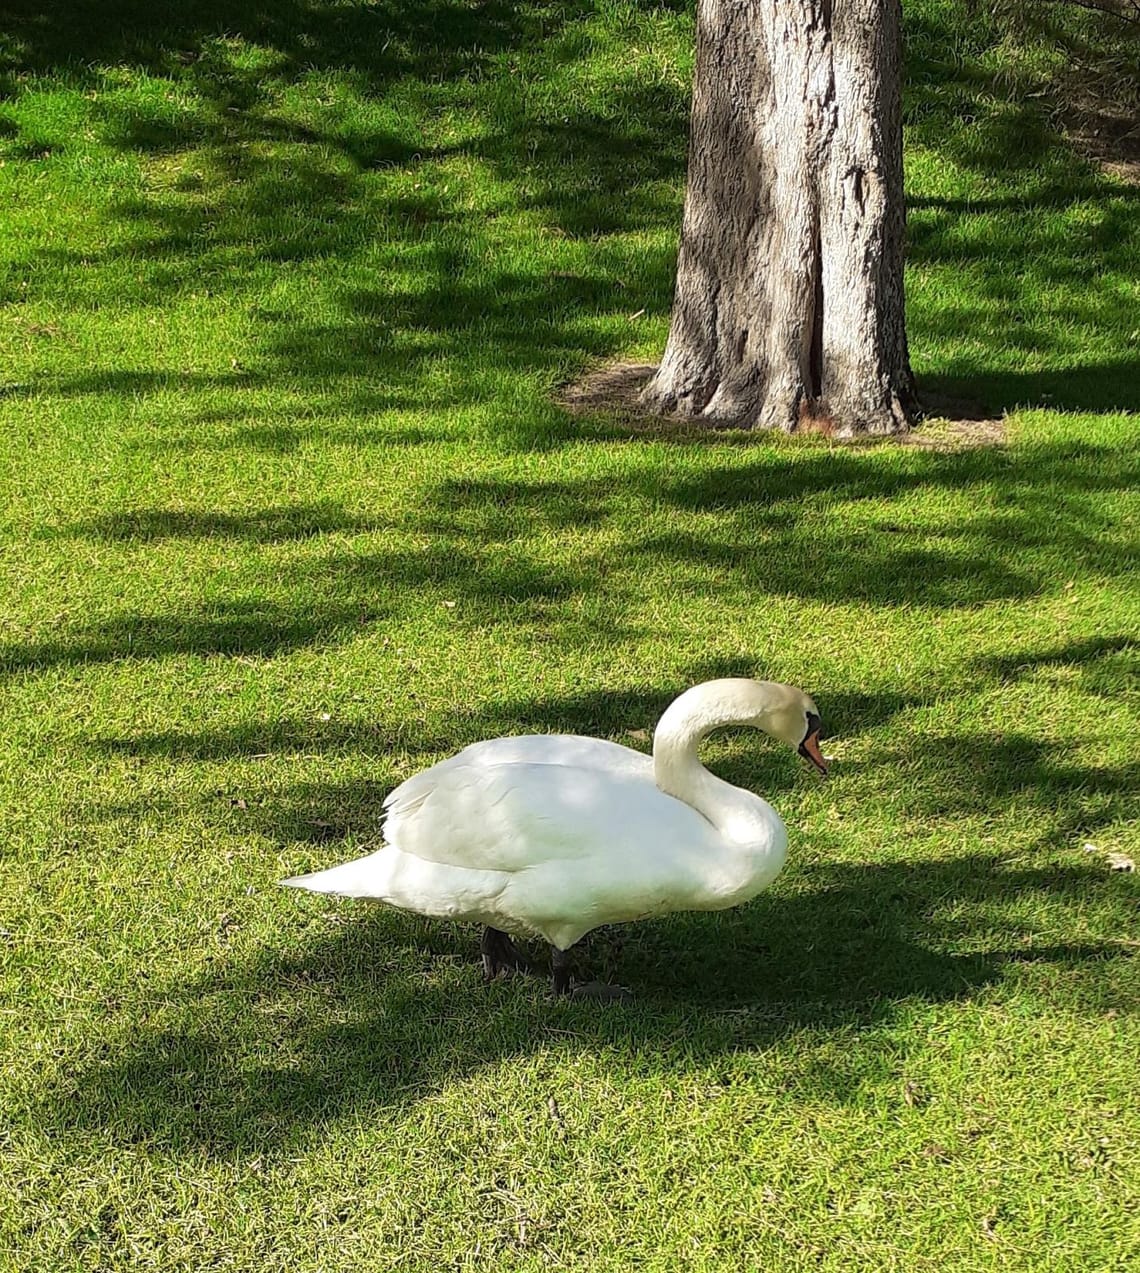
pixel 554 835
pixel 548 835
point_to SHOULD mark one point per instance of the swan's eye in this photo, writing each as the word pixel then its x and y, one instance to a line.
pixel 814 726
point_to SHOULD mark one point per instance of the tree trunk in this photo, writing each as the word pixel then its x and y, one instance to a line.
pixel 788 311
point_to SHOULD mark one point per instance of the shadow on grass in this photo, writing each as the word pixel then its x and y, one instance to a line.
pixel 246 182
pixel 1103 387
pixel 382 41
pixel 1034 515
pixel 254 627
pixel 284 439
pixel 379 587
pixel 264 526
pixel 1040 246
pixel 1108 665
pixel 381 1009
pixel 1001 770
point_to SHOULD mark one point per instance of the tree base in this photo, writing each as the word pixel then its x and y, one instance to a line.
pixel 634 392
pixel 788 408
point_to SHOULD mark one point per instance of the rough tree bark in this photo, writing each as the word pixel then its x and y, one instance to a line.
pixel 788 310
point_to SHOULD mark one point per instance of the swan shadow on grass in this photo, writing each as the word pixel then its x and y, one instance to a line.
pixel 371 1010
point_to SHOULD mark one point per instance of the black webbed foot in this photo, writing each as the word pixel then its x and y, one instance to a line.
pixel 562 982
pixel 601 992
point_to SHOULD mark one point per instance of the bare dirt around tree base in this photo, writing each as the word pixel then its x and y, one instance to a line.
pixel 614 391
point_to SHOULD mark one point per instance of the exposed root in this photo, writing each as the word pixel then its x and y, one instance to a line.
pixel 616 391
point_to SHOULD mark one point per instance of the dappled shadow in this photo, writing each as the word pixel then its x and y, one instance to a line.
pixel 886 575
pixel 336 597
pixel 1007 770
pixel 255 627
pixel 998 768
pixel 1016 301
pixel 308 133
pixel 371 1009
pixel 285 439
pixel 380 1009
pixel 368 1010
pixel 119 382
pixel 363 589
pixel 622 167
pixel 479 547
pixel 1108 665
pixel 595 713
pixel 1108 386
pixel 1035 514
pixel 483 587
pixel 264 526
pixel 380 40
pixel 318 812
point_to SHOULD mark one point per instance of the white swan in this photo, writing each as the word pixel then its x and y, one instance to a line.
pixel 553 835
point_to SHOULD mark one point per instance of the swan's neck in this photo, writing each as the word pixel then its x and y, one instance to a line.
pixel 739 816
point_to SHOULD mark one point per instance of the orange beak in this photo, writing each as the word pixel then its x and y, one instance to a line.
pixel 809 749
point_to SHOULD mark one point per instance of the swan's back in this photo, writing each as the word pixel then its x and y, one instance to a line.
pixel 459 771
pixel 541 749
pixel 513 803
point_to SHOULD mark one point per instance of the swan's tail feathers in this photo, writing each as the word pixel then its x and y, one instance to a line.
pixel 360 878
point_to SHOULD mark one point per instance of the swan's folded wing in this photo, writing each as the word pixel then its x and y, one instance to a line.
pixel 512 816
pixel 540 749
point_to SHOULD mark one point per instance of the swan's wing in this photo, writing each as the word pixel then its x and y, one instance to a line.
pixel 523 749
pixel 515 816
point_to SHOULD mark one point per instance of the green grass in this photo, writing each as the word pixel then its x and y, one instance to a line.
pixel 288 513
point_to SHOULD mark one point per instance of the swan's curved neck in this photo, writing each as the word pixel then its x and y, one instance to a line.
pixel 677 770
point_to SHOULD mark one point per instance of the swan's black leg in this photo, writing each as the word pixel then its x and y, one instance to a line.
pixel 560 970
pixel 501 955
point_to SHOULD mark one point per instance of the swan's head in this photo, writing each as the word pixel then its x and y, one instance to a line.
pixel 791 716
pixel 782 711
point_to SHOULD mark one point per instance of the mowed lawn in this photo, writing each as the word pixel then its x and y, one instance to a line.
pixel 290 511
